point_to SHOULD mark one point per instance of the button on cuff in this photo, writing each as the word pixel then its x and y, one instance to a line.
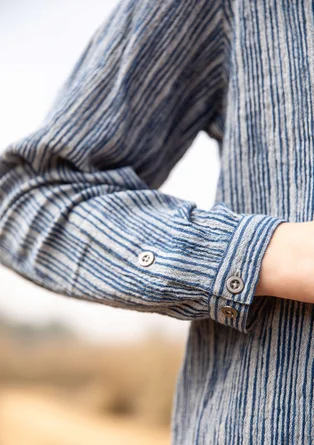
pixel 229 312
pixel 235 284
pixel 236 315
pixel 241 262
pixel 238 273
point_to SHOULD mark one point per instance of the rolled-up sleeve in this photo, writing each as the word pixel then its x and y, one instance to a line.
pixel 81 213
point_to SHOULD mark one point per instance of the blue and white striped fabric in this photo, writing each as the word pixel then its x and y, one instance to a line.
pixel 80 199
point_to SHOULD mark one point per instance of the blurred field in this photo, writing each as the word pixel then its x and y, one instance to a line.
pixel 35 418
pixel 55 389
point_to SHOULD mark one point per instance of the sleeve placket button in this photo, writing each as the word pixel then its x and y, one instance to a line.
pixel 235 284
pixel 146 258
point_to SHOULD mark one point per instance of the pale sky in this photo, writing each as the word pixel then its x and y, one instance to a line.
pixel 39 43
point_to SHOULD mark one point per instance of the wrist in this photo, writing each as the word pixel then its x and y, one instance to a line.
pixel 273 269
pixel 287 269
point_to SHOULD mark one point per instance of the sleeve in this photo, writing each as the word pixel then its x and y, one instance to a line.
pixel 80 210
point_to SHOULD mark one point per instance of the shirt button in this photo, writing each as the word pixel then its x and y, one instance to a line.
pixel 146 258
pixel 235 284
pixel 229 311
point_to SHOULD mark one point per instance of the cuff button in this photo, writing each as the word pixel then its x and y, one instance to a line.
pixel 229 311
pixel 235 284
pixel 146 258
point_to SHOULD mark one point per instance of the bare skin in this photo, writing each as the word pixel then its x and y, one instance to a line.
pixel 287 269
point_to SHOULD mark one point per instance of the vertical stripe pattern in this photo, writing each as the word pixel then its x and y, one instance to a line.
pixel 80 199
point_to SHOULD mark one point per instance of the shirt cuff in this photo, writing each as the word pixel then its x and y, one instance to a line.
pixel 231 298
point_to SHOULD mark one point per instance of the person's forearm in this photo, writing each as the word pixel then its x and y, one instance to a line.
pixel 287 269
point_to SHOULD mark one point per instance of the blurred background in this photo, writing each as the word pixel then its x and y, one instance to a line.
pixel 73 372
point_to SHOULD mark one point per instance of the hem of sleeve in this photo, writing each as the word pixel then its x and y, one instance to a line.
pixel 243 258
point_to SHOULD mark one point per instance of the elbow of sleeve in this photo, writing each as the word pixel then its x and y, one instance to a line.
pixel 39 228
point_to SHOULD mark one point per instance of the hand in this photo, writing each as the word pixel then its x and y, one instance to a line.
pixel 287 269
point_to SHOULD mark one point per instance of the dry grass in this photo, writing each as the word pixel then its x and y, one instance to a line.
pixel 32 417
pixel 131 381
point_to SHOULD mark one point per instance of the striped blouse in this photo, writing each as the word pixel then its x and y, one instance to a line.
pixel 81 213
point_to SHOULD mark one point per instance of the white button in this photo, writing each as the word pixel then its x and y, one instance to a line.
pixel 235 284
pixel 229 311
pixel 146 258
